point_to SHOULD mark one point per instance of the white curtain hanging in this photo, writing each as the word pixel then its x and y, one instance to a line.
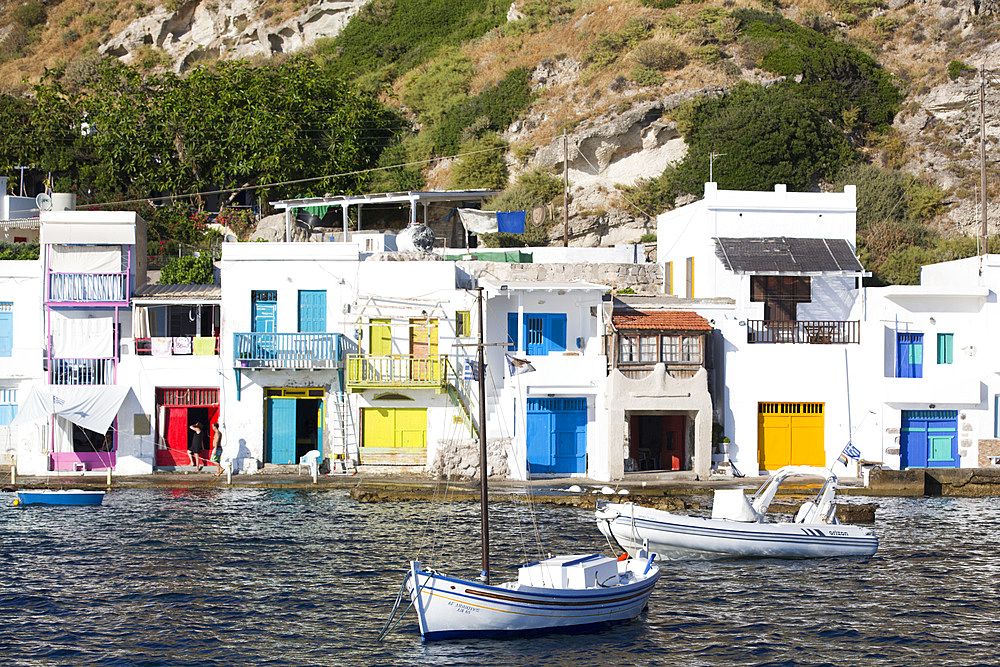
pixel 82 335
pixel 85 259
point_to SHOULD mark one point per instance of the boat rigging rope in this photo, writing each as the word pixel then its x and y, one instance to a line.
pixel 386 629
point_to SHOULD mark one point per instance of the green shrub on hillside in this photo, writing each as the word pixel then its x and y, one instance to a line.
pixel 658 55
pixel 484 168
pixel 490 111
pixel 442 84
pixel 835 75
pixel 29 14
pixel 413 148
pixel 608 46
pixel 891 195
pixel 644 76
pixel 650 197
pixel 957 68
pixel 389 37
pixel 768 135
pixel 539 14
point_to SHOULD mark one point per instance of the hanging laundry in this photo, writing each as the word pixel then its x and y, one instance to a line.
pixel 162 346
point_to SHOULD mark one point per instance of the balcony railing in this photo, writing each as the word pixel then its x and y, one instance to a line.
pixel 404 370
pixel 286 350
pixel 88 287
pixel 823 332
pixel 82 371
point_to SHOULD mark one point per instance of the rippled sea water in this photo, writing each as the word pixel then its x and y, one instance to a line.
pixel 265 577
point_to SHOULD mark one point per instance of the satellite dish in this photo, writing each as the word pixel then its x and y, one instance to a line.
pixel 538 215
pixel 43 202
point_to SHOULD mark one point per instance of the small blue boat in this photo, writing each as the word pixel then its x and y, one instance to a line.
pixel 60 497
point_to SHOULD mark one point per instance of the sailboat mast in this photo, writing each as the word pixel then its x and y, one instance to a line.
pixel 483 490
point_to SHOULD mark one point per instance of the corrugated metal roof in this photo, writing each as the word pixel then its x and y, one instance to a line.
pixel 629 319
pixel 785 255
pixel 178 292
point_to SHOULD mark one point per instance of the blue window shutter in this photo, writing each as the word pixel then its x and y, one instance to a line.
pixel 6 334
pixel 555 334
pixel 512 332
pixel 312 311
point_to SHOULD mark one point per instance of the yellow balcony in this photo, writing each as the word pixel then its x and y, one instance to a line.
pixel 365 371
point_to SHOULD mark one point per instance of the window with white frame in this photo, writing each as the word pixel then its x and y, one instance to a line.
pixel 660 348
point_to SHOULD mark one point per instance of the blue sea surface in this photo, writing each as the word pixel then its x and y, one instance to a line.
pixel 268 577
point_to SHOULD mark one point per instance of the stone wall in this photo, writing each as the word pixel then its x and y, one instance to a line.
pixel 988 448
pixel 461 458
pixel 642 278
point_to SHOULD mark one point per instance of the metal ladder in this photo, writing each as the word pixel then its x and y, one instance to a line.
pixel 346 455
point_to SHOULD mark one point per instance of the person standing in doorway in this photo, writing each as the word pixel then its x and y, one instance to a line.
pixel 196 442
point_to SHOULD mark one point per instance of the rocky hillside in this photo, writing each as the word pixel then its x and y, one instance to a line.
pixel 590 75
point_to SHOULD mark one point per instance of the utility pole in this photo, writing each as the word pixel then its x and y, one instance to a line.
pixel 711 163
pixel 565 189
pixel 982 151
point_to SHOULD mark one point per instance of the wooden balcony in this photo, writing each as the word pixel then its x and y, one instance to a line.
pixel 111 288
pixel 815 332
pixel 286 350
pixel 365 371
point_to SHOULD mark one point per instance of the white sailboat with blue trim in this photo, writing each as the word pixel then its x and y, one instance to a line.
pixel 740 526
pixel 569 593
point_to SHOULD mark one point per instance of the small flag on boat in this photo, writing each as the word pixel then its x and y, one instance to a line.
pixel 517 366
pixel 850 452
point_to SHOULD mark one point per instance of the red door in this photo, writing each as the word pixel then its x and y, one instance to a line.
pixel 673 437
pixel 173 451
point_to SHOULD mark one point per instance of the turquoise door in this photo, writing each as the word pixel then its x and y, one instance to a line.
pixel 6 333
pixel 312 311
pixel 557 435
pixel 264 320
pixel 929 439
pixel 280 431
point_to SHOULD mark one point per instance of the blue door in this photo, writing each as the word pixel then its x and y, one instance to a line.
pixel 929 439
pixel 280 431
pixel 557 435
pixel 312 311
pixel 909 355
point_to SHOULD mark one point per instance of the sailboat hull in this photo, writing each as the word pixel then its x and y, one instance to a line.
pixel 452 608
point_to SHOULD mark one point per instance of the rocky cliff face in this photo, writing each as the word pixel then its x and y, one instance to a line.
pixel 230 30
pixel 620 143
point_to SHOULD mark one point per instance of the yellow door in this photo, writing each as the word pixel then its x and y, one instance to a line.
pixel 394 427
pixel 790 434
pixel 380 338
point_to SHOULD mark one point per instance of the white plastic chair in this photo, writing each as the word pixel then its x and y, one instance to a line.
pixel 310 460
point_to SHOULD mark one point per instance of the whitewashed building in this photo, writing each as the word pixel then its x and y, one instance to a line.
pixel 931 388
pixel 790 339
pixel 554 416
